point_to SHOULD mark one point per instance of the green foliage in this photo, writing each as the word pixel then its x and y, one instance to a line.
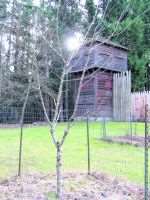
pixel 138 70
pixel 115 10
pixel 52 196
pixel 127 19
pixel 23 16
pixel 90 6
pixel 3 9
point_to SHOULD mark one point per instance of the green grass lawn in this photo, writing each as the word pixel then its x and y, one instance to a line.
pixel 39 153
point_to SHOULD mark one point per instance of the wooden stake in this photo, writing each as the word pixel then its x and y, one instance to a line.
pixel 88 147
pixel 21 128
pixel 146 195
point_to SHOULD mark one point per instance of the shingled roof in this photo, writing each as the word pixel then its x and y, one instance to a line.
pixel 106 42
pixel 101 53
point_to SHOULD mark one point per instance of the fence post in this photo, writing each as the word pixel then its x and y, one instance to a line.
pixel 135 128
pixel 104 128
pixel 146 191
pixel 20 151
pixel 131 130
pixel 88 146
pixel 21 126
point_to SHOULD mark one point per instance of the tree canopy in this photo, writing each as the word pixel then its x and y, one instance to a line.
pixel 50 23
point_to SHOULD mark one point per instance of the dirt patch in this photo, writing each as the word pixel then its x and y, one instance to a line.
pixel 76 187
pixel 127 139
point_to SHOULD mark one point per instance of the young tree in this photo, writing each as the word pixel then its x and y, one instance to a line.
pixel 36 47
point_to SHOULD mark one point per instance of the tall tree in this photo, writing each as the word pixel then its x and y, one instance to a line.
pixel 90 6
pixel 128 20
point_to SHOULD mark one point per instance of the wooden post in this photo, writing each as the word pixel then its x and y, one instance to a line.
pixel 104 128
pixel 20 150
pixel 88 146
pixel 135 128
pixel 131 131
pixel 146 192
pixel 21 127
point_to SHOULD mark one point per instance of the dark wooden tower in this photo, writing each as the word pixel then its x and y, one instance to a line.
pixel 100 60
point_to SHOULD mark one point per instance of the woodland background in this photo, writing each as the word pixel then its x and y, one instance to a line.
pixel 18 23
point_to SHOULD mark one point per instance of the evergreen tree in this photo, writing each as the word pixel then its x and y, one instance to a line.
pixel 132 32
pixel 90 6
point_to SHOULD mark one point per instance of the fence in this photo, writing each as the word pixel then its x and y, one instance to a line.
pixel 12 115
pixel 102 155
pixel 122 96
pixel 35 114
pixel 128 106
pixel 138 101
pixel 123 111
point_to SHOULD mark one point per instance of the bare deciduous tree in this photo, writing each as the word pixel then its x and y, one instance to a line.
pixel 35 54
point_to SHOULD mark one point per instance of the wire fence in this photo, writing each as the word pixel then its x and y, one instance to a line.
pixel 138 101
pixel 120 149
pixel 12 115
pixel 132 142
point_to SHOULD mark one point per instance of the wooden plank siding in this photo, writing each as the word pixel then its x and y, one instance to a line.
pixel 104 58
pixel 87 97
pixel 100 56
pixel 138 102
pixel 122 96
pixel 104 94
pixel 96 96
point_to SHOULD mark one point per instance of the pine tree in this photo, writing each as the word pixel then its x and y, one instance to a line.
pixel 90 6
pixel 132 32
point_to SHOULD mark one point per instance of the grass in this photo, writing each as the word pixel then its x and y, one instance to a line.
pixel 39 153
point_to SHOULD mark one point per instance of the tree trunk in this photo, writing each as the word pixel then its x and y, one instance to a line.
pixel 58 170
